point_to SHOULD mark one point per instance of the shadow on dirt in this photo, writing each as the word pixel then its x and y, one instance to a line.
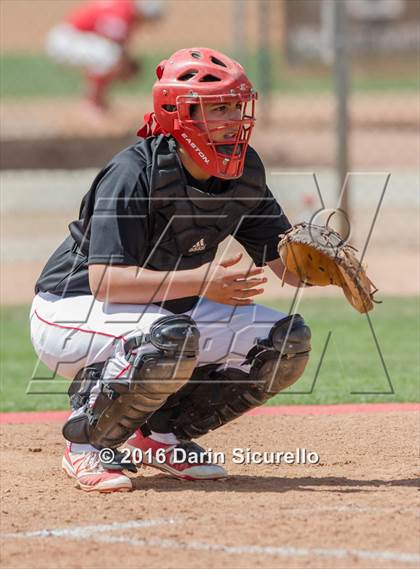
pixel 257 484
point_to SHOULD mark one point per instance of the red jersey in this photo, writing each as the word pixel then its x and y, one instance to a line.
pixel 113 19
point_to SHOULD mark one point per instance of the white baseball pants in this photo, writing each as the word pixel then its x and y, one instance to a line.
pixel 73 332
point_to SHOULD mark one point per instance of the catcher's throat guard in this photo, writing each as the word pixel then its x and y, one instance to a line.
pixel 318 255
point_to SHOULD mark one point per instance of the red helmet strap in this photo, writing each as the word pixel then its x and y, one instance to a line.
pixel 151 127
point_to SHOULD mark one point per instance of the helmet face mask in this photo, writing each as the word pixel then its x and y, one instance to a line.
pixel 189 84
pixel 222 141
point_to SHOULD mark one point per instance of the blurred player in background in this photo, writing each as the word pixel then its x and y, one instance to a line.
pixel 95 36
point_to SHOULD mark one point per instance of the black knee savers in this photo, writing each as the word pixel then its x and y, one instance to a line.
pixel 276 363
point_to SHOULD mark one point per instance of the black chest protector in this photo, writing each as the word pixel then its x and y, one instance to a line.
pixel 185 224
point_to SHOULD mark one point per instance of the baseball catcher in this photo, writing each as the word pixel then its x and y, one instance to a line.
pixel 164 343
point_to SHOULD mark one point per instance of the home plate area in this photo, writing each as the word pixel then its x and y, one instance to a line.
pixel 357 507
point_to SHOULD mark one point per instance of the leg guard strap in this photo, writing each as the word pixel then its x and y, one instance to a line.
pixel 83 383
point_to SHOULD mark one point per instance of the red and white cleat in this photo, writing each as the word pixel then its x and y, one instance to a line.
pixel 185 460
pixel 86 468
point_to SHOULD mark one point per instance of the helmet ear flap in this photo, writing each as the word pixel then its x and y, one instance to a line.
pixel 160 69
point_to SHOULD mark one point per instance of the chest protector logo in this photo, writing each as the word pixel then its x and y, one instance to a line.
pixel 199 246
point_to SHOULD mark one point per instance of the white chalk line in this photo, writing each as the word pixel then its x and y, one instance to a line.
pixel 264 550
pixel 80 532
pixel 98 533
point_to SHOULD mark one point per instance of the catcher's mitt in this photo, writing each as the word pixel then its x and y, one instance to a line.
pixel 318 256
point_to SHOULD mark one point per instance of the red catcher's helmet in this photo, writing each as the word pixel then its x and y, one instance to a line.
pixel 198 76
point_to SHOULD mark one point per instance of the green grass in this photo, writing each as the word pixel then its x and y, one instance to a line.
pixel 26 76
pixel 34 75
pixel 352 369
pixel 18 361
pixel 351 362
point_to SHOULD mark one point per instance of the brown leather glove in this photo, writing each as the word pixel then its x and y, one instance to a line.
pixel 318 256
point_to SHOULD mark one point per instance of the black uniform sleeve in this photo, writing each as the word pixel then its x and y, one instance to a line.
pixel 259 231
pixel 119 224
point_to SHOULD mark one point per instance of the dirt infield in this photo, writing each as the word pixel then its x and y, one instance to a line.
pixel 355 508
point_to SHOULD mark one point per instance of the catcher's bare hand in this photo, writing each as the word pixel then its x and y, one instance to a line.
pixel 229 285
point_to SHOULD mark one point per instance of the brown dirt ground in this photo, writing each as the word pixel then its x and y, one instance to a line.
pixel 362 495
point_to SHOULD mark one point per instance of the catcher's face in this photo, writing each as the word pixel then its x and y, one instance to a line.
pixel 227 117
pixel 216 133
